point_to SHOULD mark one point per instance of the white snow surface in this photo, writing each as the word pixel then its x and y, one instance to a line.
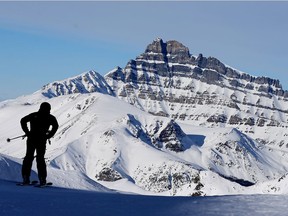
pixel 100 131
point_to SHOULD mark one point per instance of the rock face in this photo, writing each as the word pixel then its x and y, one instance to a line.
pixel 167 80
pixel 171 136
pixel 162 135
pixel 173 59
pixel 108 174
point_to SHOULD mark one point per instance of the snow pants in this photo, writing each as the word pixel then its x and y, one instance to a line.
pixel 38 145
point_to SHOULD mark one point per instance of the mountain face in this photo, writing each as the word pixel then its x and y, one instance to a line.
pixel 166 80
pixel 192 126
pixel 172 59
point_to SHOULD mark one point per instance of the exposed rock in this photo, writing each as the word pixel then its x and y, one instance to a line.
pixel 108 174
pixel 218 118
pixel 235 119
pixel 171 137
pixel 250 121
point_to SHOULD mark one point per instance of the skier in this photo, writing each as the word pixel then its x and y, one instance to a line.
pixel 37 137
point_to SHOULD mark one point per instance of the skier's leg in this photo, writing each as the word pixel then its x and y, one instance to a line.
pixel 27 162
pixel 41 165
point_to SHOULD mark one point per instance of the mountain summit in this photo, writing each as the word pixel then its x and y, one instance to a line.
pixel 172 59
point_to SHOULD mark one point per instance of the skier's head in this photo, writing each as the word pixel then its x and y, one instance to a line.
pixel 45 108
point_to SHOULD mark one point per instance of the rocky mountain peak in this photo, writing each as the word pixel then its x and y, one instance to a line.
pixel 171 51
pixel 167 80
pixel 207 69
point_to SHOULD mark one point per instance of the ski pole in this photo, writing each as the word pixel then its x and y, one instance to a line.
pixel 9 139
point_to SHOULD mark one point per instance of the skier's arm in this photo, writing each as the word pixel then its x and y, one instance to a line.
pixel 24 122
pixel 55 126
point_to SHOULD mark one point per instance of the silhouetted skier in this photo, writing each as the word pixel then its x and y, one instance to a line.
pixel 37 136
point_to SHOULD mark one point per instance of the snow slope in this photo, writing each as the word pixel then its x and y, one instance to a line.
pixel 106 144
pixel 16 201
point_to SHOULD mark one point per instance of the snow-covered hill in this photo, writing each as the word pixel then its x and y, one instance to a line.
pixel 104 142
pixel 187 128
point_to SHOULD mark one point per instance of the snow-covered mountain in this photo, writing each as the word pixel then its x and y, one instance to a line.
pixel 84 83
pixel 167 80
pixel 192 126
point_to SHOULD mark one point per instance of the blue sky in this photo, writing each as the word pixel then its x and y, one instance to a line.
pixel 41 42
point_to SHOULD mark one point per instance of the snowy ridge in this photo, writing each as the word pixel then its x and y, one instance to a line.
pixel 85 83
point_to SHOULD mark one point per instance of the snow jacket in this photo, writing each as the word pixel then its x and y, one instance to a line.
pixel 40 123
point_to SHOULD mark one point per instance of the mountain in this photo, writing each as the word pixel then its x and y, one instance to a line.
pixel 166 80
pixel 192 126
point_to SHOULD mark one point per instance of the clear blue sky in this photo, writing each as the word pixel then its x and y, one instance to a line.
pixel 41 42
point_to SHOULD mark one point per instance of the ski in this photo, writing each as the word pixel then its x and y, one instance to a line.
pixel 43 186
pixel 32 183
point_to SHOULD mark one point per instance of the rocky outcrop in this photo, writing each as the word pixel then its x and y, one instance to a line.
pixel 171 137
pixel 108 174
